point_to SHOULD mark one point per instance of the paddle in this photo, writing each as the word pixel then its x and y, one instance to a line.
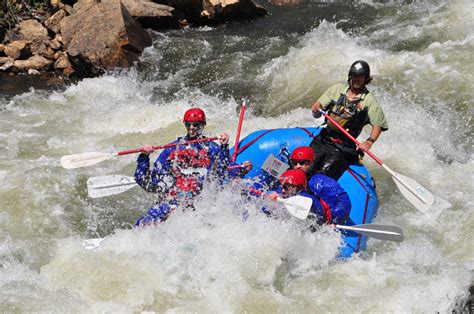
pixel 109 185
pixel 299 207
pixel 382 232
pixel 115 184
pixel 414 192
pixel 239 128
pixel 92 158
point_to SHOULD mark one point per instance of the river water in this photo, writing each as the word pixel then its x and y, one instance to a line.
pixel 422 59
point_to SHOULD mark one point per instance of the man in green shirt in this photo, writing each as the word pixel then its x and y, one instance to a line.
pixel 353 107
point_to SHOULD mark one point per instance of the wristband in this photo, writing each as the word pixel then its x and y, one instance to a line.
pixel 370 140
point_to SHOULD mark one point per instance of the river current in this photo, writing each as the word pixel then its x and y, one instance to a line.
pixel 422 59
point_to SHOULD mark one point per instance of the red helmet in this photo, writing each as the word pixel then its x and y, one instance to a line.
pixel 303 153
pixel 294 177
pixel 194 115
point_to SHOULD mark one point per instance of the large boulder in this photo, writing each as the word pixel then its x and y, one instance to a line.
pixel 103 35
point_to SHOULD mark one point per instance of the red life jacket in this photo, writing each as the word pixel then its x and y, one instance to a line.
pixel 326 211
pixel 201 159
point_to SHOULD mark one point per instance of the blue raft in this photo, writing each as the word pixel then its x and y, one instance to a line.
pixel 357 180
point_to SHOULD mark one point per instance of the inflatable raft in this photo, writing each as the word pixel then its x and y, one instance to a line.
pixel 357 180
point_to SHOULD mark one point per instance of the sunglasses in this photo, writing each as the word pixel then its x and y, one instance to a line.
pixel 287 186
pixel 301 162
pixel 194 124
pixel 292 189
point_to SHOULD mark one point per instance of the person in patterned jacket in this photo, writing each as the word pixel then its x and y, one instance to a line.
pixel 179 172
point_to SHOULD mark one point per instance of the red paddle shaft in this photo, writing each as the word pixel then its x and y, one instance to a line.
pixel 337 125
pixel 239 128
pixel 139 150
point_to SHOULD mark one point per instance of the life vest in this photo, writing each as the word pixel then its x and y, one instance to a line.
pixel 190 158
pixel 188 166
pixel 201 159
pixel 184 191
pixel 350 115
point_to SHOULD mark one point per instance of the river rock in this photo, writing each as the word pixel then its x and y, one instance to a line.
pixel 33 72
pixel 4 60
pixel 52 23
pixel 7 65
pixel 62 62
pixel 18 49
pixel 221 11
pixel 56 43
pixel 104 35
pixel 44 51
pixel 32 30
pixel 35 62
pixel 153 15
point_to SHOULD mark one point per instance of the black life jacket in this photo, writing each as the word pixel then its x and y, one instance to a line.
pixel 350 115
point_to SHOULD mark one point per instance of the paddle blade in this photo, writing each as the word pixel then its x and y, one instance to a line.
pixel 92 244
pixel 414 192
pixel 382 232
pixel 109 185
pixel 298 206
pixel 84 159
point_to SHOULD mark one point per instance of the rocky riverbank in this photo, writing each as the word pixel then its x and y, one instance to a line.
pixel 84 38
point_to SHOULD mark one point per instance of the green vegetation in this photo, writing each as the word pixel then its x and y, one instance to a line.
pixel 12 11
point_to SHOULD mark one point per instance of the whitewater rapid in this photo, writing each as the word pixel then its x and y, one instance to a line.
pixel 211 260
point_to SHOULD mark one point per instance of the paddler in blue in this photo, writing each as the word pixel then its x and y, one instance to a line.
pixel 352 106
pixel 331 204
pixel 179 172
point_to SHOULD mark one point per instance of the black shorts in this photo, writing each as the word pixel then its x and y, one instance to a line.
pixel 331 160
